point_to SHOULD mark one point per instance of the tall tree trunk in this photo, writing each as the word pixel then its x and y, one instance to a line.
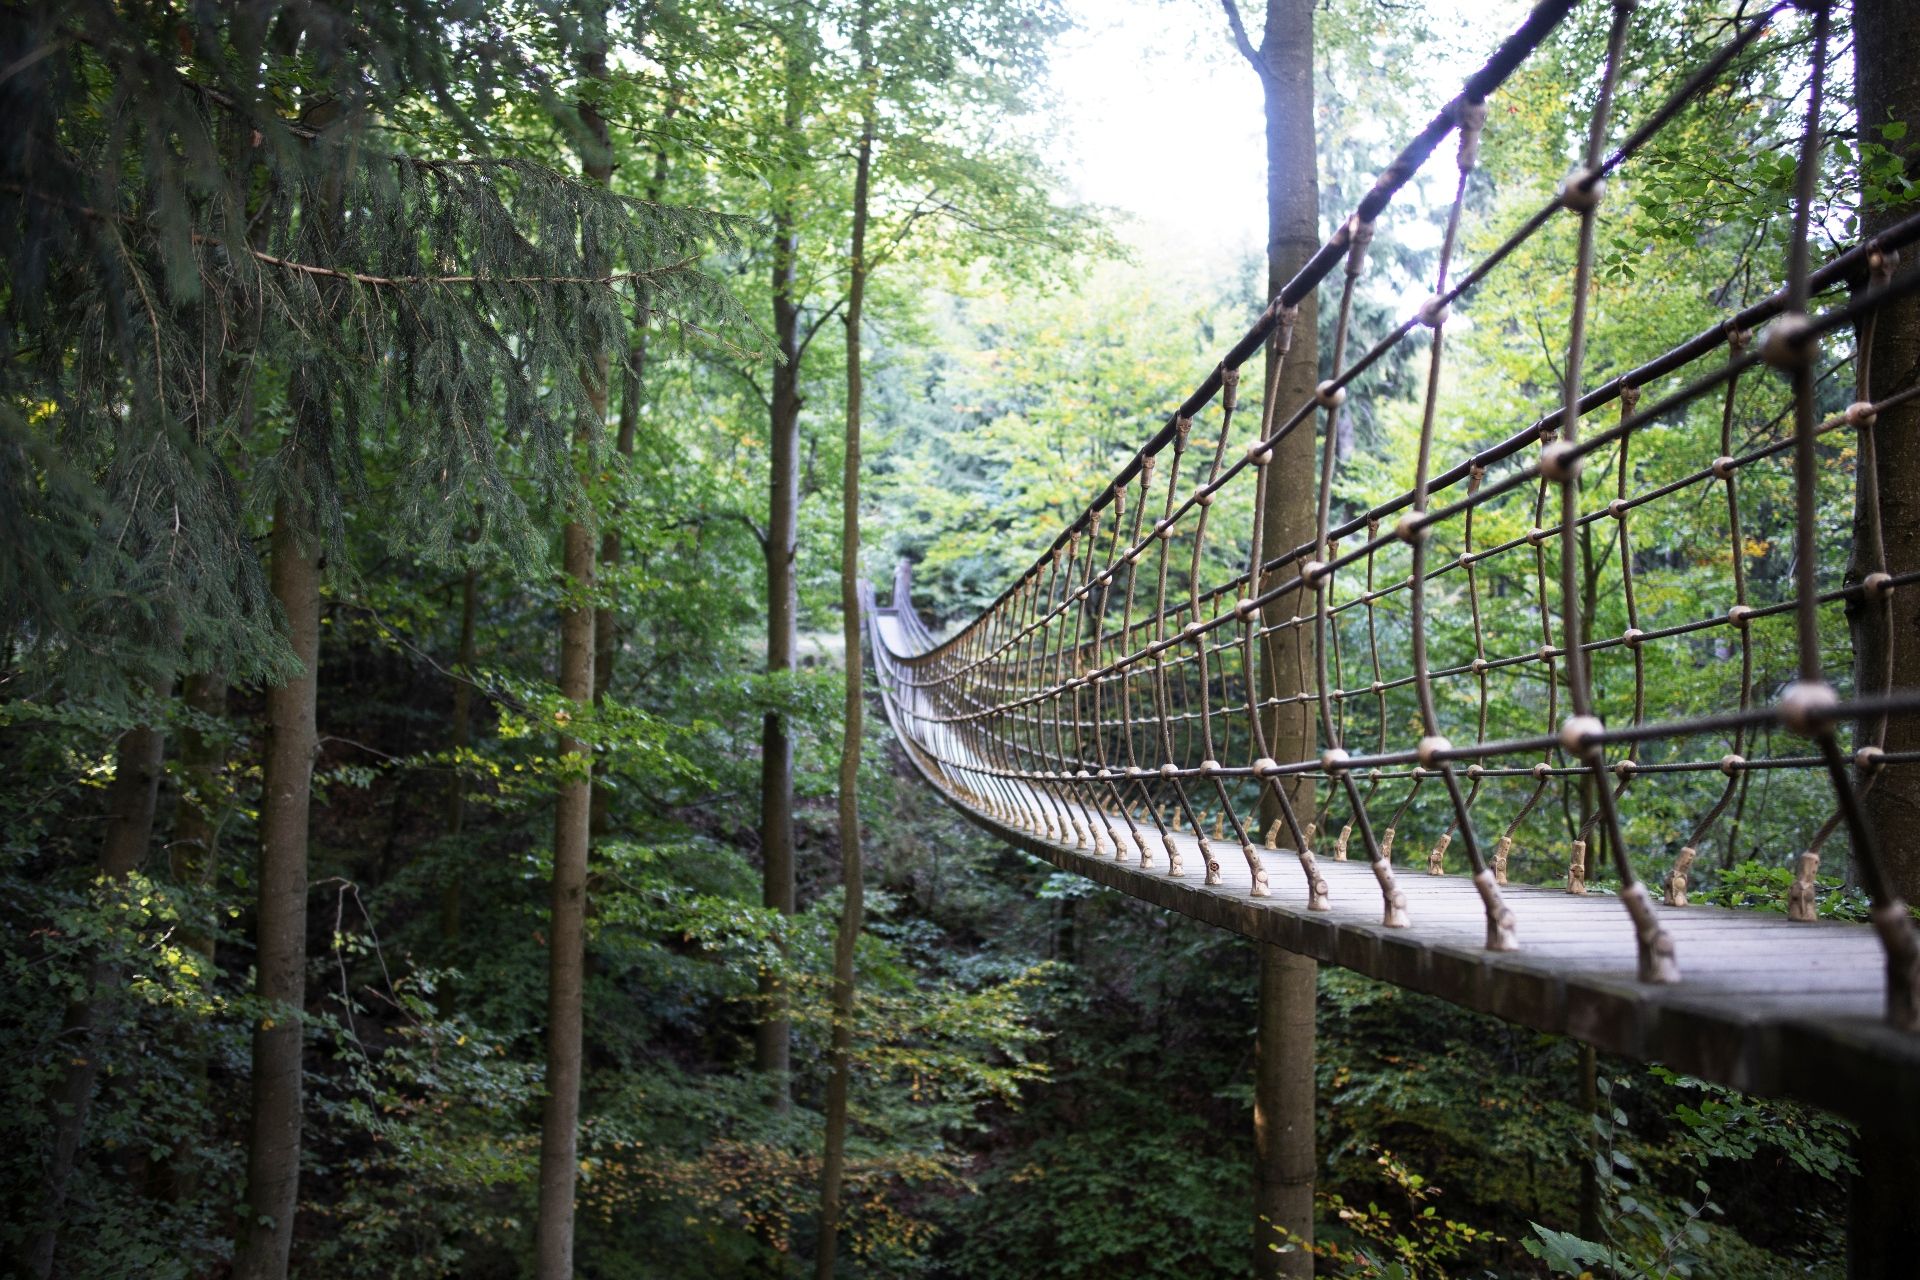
pixel 566 933
pixel 1283 1055
pixel 131 799
pixel 280 928
pixel 1886 636
pixel 833 1168
pixel 458 741
pixel 773 1042
pixel 194 861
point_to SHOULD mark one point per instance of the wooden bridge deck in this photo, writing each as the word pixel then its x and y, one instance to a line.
pixel 1764 1004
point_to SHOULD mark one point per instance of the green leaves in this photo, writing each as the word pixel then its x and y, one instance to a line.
pixel 1566 1254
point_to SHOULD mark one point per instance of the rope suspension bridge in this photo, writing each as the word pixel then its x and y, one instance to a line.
pixel 1174 704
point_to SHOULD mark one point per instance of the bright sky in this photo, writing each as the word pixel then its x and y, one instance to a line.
pixel 1162 117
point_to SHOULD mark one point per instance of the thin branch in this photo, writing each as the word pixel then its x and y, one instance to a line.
pixel 1240 40
pixel 813 329
pixel 753 385
pixel 759 534
pixel 920 210
pixel 27 59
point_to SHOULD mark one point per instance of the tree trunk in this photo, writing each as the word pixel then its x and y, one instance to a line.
pixel 833 1169
pixel 1886 637
pixel 1284 1075
pixel 573 805
pixel 1283 1139
pixel 273 1140
pixel 773 1042
pixel 131 799
pixel 566 934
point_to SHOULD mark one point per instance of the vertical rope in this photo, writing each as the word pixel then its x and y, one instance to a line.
pixel 1561 463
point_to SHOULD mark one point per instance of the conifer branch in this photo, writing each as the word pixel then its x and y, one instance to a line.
pixel 363 278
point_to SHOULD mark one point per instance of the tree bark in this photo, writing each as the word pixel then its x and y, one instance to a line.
pixel 1283 1054
pixel 131 799
pixel 773 1042
pixel 833 1168
pixel 572 822
pixel 273 1142
pixel 566 933
pixel 1283 1137
pixel 1886 637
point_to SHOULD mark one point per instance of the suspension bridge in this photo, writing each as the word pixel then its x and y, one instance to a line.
pixel 1415 743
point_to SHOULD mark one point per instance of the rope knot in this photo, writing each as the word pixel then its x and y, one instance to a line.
pixel 1283 342
pixel 1359 236
pixel 1473 120
pixel 1629 399
pixel 1182 426
pixel 1229 388
pixel 1881 264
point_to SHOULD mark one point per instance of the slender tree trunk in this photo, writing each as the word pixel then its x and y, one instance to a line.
pixel 833 1169
pixel 131 799
pixel 566 934
pixel 773 1042
pixel 1886 637
pixel 273 1143
pixel 458 741
pixel 1283 1055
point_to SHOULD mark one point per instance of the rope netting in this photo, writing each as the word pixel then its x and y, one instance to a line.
pixel 1473 650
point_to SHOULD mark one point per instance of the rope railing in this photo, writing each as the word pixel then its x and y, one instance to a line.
pixel 1478 646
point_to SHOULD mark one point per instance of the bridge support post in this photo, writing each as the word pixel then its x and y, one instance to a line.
pixel 1283 1115
pixel 1883 1206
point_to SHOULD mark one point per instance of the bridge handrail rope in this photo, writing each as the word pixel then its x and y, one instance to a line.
pixel 1050 715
